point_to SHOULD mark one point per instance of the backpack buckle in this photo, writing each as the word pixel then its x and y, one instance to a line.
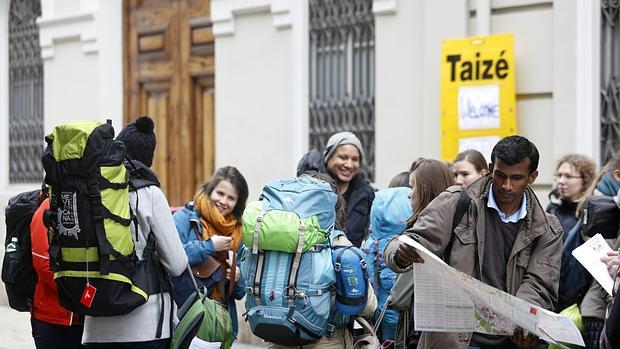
pixel 330 330
pixel 290 292
pixel 337 267
pixel 363 264
pixel 249 290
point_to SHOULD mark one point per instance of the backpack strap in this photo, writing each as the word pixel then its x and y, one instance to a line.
pixel 105 248
pixel 461 208
pixel 260 261
pixel 291 291
pixel 140 175
pixel 376 264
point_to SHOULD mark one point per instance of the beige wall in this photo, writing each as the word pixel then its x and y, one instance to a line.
pixel 254 96
pixel 408 43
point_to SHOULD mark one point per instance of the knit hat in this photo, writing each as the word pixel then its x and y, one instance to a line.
pixel 339 139
pixel 139 140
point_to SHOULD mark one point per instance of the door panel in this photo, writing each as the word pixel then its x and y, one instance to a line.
pixel 169 66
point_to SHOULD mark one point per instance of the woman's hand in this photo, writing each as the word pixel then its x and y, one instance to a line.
pixel 612 260
pixel 221 243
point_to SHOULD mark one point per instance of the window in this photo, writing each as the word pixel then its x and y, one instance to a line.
pixel 342 73
pixel 25 93
pixel 610 85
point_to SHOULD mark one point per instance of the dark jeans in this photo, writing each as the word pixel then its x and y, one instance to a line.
pixel 51 336
pixel 156 344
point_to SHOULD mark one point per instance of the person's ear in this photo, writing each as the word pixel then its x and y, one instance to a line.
pixel 616 174
pixel 490 167
pixel 483 172
pixel 532 177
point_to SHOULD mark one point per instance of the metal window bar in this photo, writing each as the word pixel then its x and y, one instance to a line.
pixel 610 84
pixel 342 74
pixel 25 93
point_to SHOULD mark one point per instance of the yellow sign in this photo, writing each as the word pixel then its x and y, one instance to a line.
pixel 477 93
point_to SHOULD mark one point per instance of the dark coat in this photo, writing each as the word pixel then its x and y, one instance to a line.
pixel 532 271
pixel 564 210
pixel 358 210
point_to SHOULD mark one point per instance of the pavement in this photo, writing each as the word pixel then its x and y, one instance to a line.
pixel 15 331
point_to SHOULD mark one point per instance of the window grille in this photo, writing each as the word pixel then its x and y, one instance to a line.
pixel 610 84
pixel 25 93
pixel 342 73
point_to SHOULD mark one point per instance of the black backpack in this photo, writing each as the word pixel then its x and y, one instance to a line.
pixel 18 273
pixel 600 215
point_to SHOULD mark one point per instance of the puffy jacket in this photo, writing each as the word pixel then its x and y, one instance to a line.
pixel 389 213
pixel 358 210
pixel 532 271
pixel 46 307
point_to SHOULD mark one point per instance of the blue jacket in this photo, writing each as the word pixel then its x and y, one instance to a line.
pixel 390 211
pixel 199 250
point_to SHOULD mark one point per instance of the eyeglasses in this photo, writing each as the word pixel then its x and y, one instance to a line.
pixel 567 176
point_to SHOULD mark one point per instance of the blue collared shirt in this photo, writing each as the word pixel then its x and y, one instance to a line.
pixel 513 218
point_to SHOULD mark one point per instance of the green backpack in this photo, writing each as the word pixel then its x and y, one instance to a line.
pixel 91 248
pixel 202 319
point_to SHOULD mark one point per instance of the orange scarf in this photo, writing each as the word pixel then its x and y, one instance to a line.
pixel 213 223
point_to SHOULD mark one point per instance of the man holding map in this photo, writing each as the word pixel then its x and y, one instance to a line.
pixel 505 239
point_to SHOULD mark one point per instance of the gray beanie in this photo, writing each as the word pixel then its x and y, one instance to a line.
pixel 339 139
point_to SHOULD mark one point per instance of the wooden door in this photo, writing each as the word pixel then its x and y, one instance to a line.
pixel 169 75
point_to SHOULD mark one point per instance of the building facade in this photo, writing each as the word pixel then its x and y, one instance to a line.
pixel 287 73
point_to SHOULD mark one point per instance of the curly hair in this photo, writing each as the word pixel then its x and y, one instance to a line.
pixel 582 164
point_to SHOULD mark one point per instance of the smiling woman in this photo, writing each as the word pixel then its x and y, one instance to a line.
pixel 210 229
pixel 343 157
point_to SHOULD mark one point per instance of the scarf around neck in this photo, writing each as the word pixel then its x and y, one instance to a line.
pixel 608 185
pixel 213 223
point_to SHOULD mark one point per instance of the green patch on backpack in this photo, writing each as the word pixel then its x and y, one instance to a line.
pixel 279 229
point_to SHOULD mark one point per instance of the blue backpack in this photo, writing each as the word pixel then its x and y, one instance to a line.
pixel 574 278
pixel 288 291
pixel 390 211
pixel 351 279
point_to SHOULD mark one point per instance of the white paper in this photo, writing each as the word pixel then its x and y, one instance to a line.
pixel 198 343
pixel 589 254
pixel 478 107
pixel 482 144
pixel 447 300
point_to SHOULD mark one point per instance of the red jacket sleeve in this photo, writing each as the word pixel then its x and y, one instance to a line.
pixel 40 246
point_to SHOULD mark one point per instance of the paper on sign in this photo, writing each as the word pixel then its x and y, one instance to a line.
pixel 589 255
pixel 482 144
pixel 478 107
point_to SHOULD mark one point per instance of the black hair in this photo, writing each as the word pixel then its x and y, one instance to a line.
pixel 514 149
pixel 231 174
